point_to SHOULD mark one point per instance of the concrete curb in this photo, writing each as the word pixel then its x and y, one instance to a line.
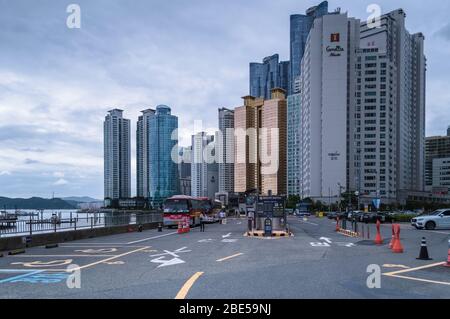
pixel 261 234
pixel 348 233
pixel 16 252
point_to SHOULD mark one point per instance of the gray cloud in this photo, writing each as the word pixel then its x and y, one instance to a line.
pixel 56 84
pixel 29 161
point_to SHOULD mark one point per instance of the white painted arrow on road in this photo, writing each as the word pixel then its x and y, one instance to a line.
pixel 325 239
pixel 226 236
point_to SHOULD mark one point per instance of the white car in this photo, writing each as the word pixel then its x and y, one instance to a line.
pixel 439 219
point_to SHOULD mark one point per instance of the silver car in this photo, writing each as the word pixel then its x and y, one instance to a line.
pixel 439 219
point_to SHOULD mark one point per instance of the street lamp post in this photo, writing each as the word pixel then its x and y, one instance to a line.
pixel 357 195
pixel 340 197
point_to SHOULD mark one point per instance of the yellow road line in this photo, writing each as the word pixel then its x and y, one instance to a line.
pixel 108 259
pixel 413 269
pixel 188 285
pixel 39 256
pixel 420 279
pixel 100 246
pixel 229 257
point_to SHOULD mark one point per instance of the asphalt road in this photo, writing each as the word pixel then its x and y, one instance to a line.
pixel 222 263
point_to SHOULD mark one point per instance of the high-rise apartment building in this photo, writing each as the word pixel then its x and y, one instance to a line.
pixel 184 170
pixel 300 25
pixel 162 155
pixel 268 75
pixel 142 153
pixel 327 91
pixel 441 175
pixel 363 108
pixel 225 150
pixel 260 144
pixel 436 147
pixel 204 167
pixel 294 140
pixel 387 126
pixel 117 154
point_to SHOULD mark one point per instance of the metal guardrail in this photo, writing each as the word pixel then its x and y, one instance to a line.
pixel 39 226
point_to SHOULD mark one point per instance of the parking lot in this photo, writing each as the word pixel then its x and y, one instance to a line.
pixel 316 262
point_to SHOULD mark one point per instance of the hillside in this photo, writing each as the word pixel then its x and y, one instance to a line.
pixel 34 203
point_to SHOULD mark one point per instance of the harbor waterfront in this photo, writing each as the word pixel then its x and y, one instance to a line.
pixel 28 222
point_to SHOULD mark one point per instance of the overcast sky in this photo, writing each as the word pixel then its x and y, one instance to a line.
pixel 56 84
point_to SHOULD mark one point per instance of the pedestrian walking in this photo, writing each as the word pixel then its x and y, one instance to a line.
pixel 202 222
pixel 222 216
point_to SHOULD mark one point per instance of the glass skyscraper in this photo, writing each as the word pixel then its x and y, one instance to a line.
pixel 300 26
pixel 268 75
pixel 163 171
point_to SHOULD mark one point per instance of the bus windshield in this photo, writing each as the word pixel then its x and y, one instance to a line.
pixel 176 206
pixel 205 205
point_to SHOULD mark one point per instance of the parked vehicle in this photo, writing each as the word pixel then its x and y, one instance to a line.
pixel 439 219
pixel 332 215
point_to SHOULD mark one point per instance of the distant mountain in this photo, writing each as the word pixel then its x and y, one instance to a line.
pixel 81 199
pixel 34 203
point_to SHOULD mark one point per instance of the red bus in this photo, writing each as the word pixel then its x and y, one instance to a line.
pixel 178 207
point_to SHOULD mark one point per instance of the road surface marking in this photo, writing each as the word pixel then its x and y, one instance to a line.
pixel 39 256
pixel 169 262
pixel 319 244
pixel 187 286
pixel 413 269
pixel 20 276
pixel 18 270
pixel 436 232
pixel 226 236
pixel 38 263
pixel 229 240
pixel 229 257
pixel 325 239
pixel 395 266
pixel 95 251
pixel 109 259
pixel 154 237
pixel 419 279
pixel 305 222
pixel 92 244
pixel 97 246
pixel 115 262
pixel 412 228
pixel 205 240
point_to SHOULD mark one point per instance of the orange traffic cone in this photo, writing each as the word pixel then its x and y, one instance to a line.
pixel 447 264
pixel 337 224
pixel 180 228
pixel 397 247
pixel 187 224
pixel 378 238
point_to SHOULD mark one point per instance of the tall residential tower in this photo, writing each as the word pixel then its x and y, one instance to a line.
pixel 142 154
pixel 162 155
pixel 225 150
pixel 117 154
